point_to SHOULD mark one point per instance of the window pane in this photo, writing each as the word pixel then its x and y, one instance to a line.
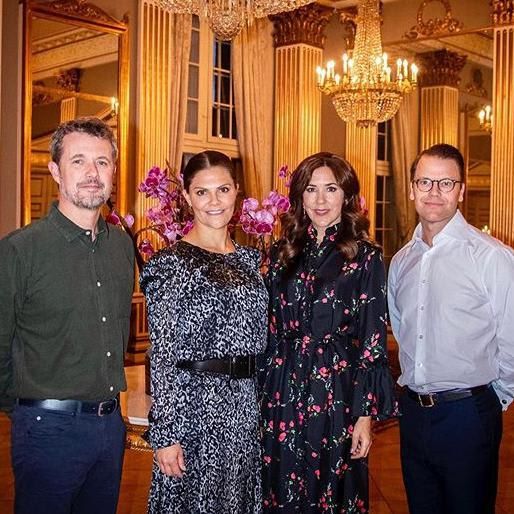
pixel 215 88
pixel 225 89
pixel 215 121
pixel 234 126
pixel 215 49
pixel 380 188
pixel 225 55
pixel 381 155
pixel 193 81
pixel 196 21
pixel 192 117
pixel 194 53
pixel 224 114
pixel 380 218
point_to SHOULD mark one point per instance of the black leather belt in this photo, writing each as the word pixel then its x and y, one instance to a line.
pixel 234 367
pixel 75 406
pixel 431 399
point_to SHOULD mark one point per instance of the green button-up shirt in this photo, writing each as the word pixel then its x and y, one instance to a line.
pixel 64 311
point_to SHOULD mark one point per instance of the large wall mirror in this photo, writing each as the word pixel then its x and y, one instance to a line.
pixel 475 94
pixel 76 64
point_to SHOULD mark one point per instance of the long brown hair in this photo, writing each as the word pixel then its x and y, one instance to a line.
pixel 354 225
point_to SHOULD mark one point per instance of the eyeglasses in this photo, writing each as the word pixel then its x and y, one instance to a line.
pixel 445 185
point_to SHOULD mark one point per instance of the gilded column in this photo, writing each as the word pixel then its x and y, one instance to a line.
pixel 155 52
pixel 298 39
pixel 502 161
pixel 439 80
pixel 361 152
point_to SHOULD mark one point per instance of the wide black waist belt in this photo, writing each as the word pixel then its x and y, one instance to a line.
pixel 76 406
pixel 431 399
pixel 234 367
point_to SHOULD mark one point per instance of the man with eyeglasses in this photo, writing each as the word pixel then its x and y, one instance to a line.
pixel 451 302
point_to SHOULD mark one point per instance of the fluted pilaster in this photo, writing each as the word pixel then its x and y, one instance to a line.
pixel 153 141
pixel 361 152
pixel 298 38
pixel 502 165
pixel 439 79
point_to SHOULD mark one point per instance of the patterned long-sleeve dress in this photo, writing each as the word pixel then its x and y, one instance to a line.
pixel 204 305
pixel 326 366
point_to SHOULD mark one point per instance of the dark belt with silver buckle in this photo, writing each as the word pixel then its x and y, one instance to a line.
pixel 234 367
pixel 75 406
pixel 431 399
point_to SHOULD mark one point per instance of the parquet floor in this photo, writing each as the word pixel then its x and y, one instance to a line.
pixel 387 493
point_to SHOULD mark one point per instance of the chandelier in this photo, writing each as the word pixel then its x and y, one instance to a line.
pixel 367 92
pixel 226 18
pixel 485 117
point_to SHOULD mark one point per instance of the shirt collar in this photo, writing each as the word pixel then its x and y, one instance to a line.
pixel 70 230
pixel 456 228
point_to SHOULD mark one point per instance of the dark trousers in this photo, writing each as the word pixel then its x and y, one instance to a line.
pixel 65 462
pixel 449 454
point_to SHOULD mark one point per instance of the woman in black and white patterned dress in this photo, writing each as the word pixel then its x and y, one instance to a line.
pixel 207 310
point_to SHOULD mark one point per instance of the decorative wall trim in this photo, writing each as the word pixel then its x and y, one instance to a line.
pixel 434 26
pixel 304 25
pixel 502 11
pixel 440 68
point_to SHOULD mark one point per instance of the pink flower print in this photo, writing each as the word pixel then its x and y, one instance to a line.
pixel 363 296
pixel 277 395
pixel 346 311
pixel 324 300
pixel 279 361
pixel 267 459
pixel 314 455
pixel 317 473
pixel 354 265
pixel 281 436
pixel 282 425
pixel 270 423
pixel 291 424
pixel 293 475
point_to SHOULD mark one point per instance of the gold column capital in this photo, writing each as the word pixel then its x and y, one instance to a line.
pixel 502 11
pixel 303 25
pixel 440 68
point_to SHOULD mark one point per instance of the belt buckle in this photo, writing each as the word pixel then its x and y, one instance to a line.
pixel 422 401
pixel 102 404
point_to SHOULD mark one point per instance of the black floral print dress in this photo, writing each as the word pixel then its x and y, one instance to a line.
pixel 326 365
pixel 203 305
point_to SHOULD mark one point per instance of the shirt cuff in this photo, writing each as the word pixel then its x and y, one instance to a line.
pixel 504 394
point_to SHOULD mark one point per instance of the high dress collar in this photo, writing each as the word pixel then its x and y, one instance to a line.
pixel 330 234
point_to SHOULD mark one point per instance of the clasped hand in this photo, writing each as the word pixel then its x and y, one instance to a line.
pixel 171 460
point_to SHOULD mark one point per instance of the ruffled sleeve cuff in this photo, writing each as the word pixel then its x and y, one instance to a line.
pixel 374 393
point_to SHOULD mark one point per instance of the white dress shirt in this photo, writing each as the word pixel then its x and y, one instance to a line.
pixel 452 311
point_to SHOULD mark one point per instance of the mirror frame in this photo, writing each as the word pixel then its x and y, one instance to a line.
pixel 87 15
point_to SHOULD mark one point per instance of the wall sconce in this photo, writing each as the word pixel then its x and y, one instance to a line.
pixel 485 117
pixel 115 106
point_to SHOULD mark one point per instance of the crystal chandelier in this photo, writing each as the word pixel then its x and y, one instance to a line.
pixel 485 117
pixel 367 92
pixel 226 18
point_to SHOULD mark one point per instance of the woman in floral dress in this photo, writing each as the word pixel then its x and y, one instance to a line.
pixel 207 310
pixel 326 373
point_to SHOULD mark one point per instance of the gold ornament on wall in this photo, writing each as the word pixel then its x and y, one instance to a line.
pixel 434 26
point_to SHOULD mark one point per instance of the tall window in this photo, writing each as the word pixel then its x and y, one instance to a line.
pixel 384 207
pixel 211 118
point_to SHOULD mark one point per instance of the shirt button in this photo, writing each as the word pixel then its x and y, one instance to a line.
pixel 104 319
pixel 93 250
pixel 422 308
pixel 108 354
pixel 423 281
pixel 420 336
pixel 504 402
pixel 98 283
pixel 88 232
pixel 38 418
pixel 111 388
pixel 420 364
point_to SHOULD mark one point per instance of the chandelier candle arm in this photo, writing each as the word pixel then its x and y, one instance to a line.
pixel 367 92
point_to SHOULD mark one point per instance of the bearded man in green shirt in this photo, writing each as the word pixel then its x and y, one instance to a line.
pixel 65 293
